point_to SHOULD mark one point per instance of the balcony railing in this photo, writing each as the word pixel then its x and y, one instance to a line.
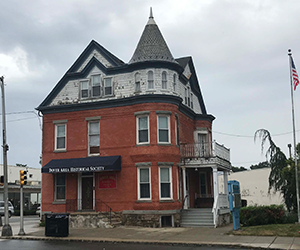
pixel 204 150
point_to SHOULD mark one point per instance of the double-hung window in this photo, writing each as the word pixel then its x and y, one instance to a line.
pixel 60 187
pixel 143 129
pixel 164 80
pixel 96 86
pixel 174 82
pixel 144 184
pixel 84 89
pixel 60 136
pixel 108 86
pixel 150 80
pixel 163 127
pixel 165 182
pixel 94 137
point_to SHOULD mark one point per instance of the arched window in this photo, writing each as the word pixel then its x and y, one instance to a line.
pixel 150 80
pixel 137 80
pixel 164 80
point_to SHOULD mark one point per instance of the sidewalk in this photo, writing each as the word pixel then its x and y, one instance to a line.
pixel 186 236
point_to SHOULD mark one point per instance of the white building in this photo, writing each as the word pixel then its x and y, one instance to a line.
pixel 254 187
pixel 32 191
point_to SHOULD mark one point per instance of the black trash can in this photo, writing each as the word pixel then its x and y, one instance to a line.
pixel 57 225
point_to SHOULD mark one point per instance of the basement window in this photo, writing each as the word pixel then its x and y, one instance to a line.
pixel 166 221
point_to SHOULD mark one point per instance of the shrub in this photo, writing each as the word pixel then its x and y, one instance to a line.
pixel 262 215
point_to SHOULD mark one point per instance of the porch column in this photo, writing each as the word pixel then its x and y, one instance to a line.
pixel 216 183
pixel 226 182
pixel 185 206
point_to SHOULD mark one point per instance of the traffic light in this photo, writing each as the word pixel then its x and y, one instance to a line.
pixel 23 177
pixel 1 180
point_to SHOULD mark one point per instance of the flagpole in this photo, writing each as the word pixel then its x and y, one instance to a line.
pixel 294 135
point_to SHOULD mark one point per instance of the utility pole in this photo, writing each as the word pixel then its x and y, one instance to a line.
pixel 6 229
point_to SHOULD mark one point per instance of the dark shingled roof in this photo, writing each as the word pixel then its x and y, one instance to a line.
pixel 152 46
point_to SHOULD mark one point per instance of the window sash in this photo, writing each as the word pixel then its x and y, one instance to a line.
pixel 137 82
pixel 165 182
pixel 143 129
pixel 60 186
pixel 144 183
pixel 150 80
pixel 163 129
pixel 164 80
pixel 108 86
pixel 84 89
pixel 94 137
pixel 60 141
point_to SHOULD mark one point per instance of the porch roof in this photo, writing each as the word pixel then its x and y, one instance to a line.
pixel 80 165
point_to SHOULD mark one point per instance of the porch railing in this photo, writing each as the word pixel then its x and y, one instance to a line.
pixel 221 201
pixel 204 150
pixel 97 205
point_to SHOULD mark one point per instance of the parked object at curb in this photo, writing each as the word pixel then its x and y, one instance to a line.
pixel 57 225
pixel 11 209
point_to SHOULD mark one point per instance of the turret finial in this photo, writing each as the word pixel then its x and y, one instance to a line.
pixel 151 13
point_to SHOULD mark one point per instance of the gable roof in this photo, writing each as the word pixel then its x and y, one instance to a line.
pixel 195 86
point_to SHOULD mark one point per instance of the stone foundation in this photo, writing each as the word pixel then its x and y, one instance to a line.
pixel 223 220
pixel 149 218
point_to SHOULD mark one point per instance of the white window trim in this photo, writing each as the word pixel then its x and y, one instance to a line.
pixel 55 146
pixel 169 131
pixel 88 134
pixel 55 187
pixel 152 80
pixel 137 129
pixel 112 89
pixel 164 80
pixel 171 184
pixel 91 86
pixel 80 88
pixel 138 184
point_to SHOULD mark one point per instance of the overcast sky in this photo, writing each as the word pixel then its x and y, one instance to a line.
pixel 239 49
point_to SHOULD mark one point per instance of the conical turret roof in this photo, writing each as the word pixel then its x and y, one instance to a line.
pixel 152 45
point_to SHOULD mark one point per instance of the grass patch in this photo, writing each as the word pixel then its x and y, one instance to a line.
pixel 289 230
pixel 42 223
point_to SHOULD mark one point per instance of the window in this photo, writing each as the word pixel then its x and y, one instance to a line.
pixel 185 96
pixel 137 82
pixel 163 129
pixel 60 136
pixel 174 82
pixel 150 80
pixel 84 89
pixel 108 86
pixel 143 129
pixel 60 186
pixel 144 192
pixel 192 105
pixel 96 85
pixel 94 137
pixel 164 80
pixel 165 181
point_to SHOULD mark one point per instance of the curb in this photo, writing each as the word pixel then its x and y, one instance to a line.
pixel 129 241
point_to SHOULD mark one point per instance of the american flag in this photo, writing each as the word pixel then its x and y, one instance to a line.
pixel 295 77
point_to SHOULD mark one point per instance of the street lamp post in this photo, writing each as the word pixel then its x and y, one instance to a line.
pixel 6 229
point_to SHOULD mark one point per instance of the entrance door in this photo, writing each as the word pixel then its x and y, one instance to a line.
pixel 87 193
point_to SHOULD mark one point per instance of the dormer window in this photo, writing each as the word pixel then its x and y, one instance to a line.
pixel 96 85
pixel 107 86
pixel 164 80
pixel 137 80
pixel 84 92
pixel 150 80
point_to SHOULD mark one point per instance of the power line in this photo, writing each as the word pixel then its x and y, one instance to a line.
pixel 251 136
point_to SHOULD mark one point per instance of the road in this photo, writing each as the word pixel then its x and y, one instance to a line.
pixel 66 245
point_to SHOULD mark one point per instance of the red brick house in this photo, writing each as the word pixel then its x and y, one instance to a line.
pixel 133 138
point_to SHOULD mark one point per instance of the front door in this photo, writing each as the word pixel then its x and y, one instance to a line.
pixel 87 192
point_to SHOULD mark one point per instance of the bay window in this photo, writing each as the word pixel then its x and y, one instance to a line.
pixel 144 187
pixel 165 182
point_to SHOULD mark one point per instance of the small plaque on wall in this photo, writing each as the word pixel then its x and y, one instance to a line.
pixel 108 181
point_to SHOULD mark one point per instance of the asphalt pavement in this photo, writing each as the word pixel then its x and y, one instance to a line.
pixel 181 236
